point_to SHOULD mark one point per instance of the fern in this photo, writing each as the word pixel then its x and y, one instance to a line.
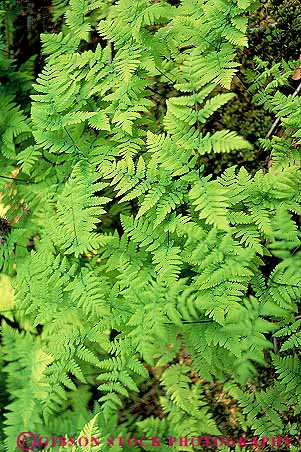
pixel 127 263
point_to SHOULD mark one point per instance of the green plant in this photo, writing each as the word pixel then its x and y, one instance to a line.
pixel 126 260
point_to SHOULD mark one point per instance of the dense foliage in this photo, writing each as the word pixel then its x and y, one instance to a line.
pixel 129 265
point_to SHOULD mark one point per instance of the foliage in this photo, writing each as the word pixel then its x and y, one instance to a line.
pixel 126 258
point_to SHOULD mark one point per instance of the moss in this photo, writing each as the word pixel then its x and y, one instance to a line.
pixel 247 120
